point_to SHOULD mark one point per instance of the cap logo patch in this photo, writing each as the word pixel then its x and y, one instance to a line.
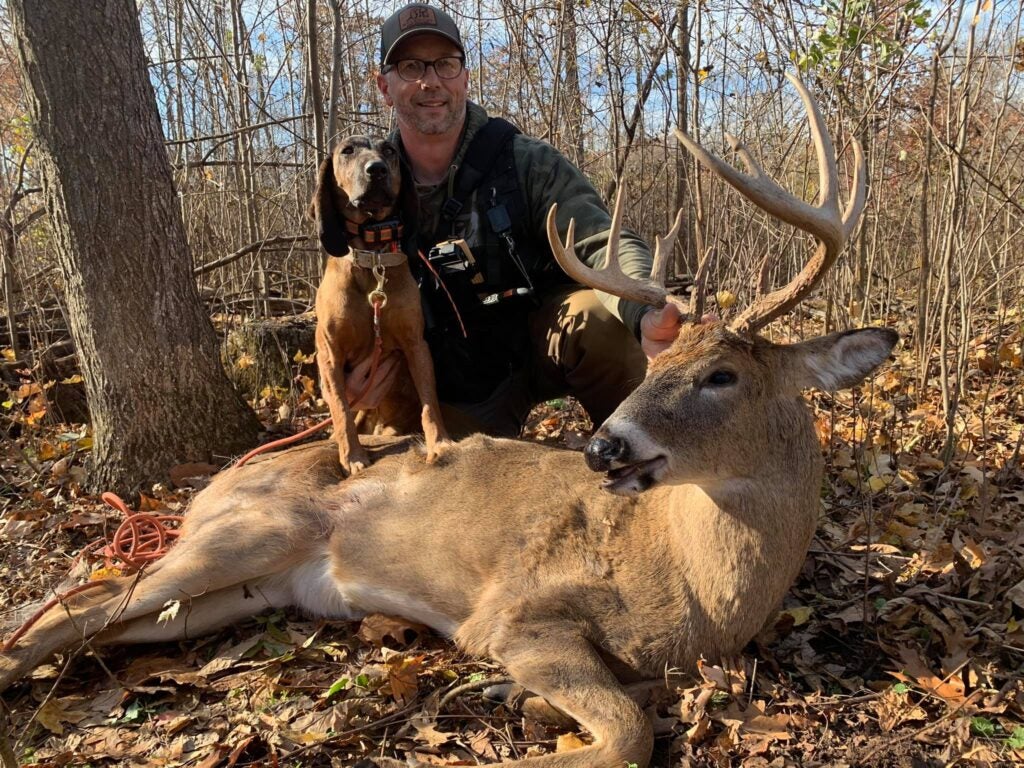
pixel 417 17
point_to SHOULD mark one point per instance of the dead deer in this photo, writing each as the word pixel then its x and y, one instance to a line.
pixel 512 549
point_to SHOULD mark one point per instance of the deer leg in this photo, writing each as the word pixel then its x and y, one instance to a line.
pixel 125 609
pixel 351 454
pixel 518 699
pixel 561 665
pixel 198 615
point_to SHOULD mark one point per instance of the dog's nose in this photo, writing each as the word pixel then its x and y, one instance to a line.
pixel 602 451
pixel 376 169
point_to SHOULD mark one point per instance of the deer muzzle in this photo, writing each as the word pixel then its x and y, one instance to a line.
pixel 602 451
pixel 631 462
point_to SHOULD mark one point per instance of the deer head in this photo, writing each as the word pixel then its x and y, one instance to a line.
pixel 721 397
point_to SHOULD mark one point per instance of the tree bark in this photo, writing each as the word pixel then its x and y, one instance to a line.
pixel 337 74
pixel 156 388
pixel 315 92
pixel 573 92
pixel 686 262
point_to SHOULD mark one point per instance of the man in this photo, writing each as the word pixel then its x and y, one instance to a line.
pixel 505 326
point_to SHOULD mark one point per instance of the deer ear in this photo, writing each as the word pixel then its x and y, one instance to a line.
pixel 325 209
pixel 841 360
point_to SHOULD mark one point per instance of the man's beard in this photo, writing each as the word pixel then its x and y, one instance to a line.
pixel 432 126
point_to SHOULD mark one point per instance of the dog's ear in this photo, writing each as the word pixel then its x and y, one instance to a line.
pixel 324 209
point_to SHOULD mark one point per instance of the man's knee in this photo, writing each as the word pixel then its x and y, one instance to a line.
pixel 587 351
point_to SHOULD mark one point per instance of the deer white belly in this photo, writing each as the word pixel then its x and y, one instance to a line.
pixel 314 590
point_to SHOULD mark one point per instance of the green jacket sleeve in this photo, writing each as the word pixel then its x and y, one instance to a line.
pixel 547 177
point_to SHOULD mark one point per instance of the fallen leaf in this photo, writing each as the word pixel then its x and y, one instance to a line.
pixel 55 712
pixel 895 708
pixel 427 733
pixel 315 726
pixel 801 614
pixel 567 742
pixel 480 742
pixel 725 299
pixel 170 611
pixel 699 731
pixel 1016 594
pixel 228 658
pixel 918 673
pixel 377 629
pixel 402 676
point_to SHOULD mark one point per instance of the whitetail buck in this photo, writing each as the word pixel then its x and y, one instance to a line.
pixel 513 549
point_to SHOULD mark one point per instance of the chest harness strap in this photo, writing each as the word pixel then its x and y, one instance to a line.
pixel 483 152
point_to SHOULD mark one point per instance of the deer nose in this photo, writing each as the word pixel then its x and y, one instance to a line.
pixel 376 169
pixel 602 451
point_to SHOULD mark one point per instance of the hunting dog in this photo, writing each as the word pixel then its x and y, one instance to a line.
pixel 368 304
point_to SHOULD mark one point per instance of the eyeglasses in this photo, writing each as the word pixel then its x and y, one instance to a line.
pixel 411 70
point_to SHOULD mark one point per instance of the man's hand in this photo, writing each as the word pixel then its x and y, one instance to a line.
pixel 658 329
pixel 383 378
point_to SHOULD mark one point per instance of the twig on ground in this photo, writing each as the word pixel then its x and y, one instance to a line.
pixel 472 685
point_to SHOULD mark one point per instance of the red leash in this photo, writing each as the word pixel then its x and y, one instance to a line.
pixel 378 346
pixel 281 442
pixel 447 292
pixel 140 539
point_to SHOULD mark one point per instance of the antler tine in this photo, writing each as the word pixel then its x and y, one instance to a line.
pixel 855 205
pixel 823 220
pixel 663 250
pixel 610 278
pixel 700 279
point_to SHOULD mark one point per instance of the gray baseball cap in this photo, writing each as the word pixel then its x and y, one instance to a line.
pixel 415 19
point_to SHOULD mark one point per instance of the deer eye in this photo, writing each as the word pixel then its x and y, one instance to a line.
pixel 721 378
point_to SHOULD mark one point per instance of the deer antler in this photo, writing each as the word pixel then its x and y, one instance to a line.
pixel 823 220
pixel 611 279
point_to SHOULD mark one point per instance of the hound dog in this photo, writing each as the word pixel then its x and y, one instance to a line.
pixel 368 304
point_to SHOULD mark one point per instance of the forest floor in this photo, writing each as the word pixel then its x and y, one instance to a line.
pixel 901 644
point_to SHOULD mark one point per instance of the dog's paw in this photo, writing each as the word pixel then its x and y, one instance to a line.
pixel 437 449
pixel 354 467
pixel 353 461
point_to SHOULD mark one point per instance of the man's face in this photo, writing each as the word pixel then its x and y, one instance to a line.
pixel 430 105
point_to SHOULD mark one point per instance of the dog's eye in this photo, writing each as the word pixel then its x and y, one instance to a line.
pixel 347 150
pixel 388 151
pixel 721 378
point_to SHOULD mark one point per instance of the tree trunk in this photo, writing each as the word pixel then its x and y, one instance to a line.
pixel 686 262
pixel 315 94
pixel 337 73
pixel 157 391
pixel 573 92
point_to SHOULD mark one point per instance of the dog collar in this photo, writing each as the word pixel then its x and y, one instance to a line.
pixel 376 232
pixel 370 259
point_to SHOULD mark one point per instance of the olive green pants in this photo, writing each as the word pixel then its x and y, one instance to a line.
pixel 579 349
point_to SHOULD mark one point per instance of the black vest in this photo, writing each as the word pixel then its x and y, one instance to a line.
pixel 478 346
